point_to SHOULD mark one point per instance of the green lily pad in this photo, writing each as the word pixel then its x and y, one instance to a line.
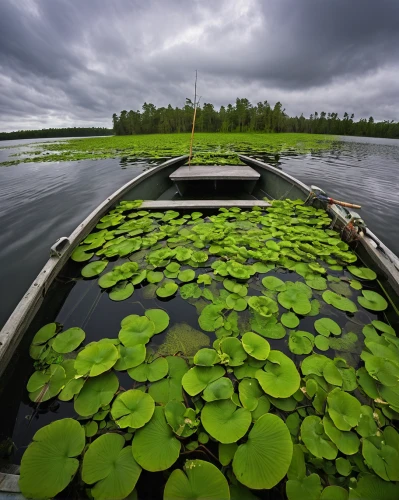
pixel 152 372
pixel 343 409
pixel 334 493
pixel 96 358
pixel 94 268
pixel 370 487
pixel 221 388
pixel 294 298
pixel 290 319
pixel 339 302
pixel 231 352
pixel 315 439
pixel 279 377
pixel 206 357
pixel 44 385
pixel 167 289
pixel 96 392
pixel 347 442
pixel 198 377
pixel 51 455
pixel 111 466
pixel 383 327
pixel 234 287
pixel 264 459
pixel 204 279
pixel 132 408
pixel 191 290
pixel 226 452
pixel 306 488
pixel 170 388
pixel 154 276
pixel 373 301
pixel 118 273
pixel 155 447
pixel 274 283
pixel 264 306
pixel 234 301
pixel 325 326
pixel 136 330
pixel 129 357
pixel 199 257
pixel 72 385
pixel 183 254
pixel 182 420
pixel 300 342
pixel 322 343
pixel 317 283
pixel 69 340
pixel 159 317
pixel 45 333
pixel 343 466
pixel 201 480
pixel 362 272
pixel 187 275
pixel 255 345
pixel 80 253
pixel 249 392
pixel 224 421
pixel 121 291
pixel 382 457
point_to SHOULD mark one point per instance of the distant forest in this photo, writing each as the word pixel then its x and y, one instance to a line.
pixel 244 117
pixel 56 132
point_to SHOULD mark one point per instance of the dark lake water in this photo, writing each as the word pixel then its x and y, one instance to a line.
pixel 39 202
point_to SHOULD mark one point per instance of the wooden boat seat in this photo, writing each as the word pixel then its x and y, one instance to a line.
pixel 201 204
pixel 220 176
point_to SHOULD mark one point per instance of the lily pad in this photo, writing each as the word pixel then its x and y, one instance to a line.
pixel 339 302
pixel 373 301
pixel 231 352
pixel 96 358
pixel 274 283
pixel 347 442
pixel 82 253
pixel 170 388
pixel 136 330
pixel 51 455
pixel 325 326
pixel 132 408
pixel 221 388
pixel 264 306
pixel 264 459
pixel 199 377
pixel 167 289
pixel 300 342
pixel 159 317
pixel 152 372
pixel 255 345
pixel 45 333
pixel 224 421
pixel 211 318
pixel 249 392
pixel 362 272
pixel 206 357
pixel 69 340
pixel 155 447
pixel 182 420
pixel 343 409
pixel 154 276
pixel 370 487
pixel 201 480
pixel 234 301
pixel 279 377
pixel 187 275
pixel 294 298
pixel 111 466
pixel 290 319
pixel 306 488
pixel 322 343
pixel 94 268
pixel 121 291
pixel 316 440
pixel 96 392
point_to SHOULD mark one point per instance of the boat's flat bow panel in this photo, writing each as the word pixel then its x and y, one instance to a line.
pixel 228 172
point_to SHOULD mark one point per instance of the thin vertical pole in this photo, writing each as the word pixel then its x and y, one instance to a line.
pixel 195 114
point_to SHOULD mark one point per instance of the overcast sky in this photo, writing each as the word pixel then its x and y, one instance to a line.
pixel 75 62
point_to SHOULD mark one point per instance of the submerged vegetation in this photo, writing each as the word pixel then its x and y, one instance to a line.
pixel 289 382
pixel 208 148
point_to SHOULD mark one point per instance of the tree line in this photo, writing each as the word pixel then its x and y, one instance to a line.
pixel 245 117
pixel 56 132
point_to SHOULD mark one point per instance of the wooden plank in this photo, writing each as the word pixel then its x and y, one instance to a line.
pixel 9 483
pixel 228 172
pixel 182 204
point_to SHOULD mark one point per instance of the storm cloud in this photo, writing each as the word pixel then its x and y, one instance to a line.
pixel 74 62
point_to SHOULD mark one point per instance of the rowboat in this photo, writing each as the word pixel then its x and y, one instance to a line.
pixel 59 294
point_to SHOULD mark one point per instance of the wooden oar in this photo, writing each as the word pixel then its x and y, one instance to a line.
pixel 337 202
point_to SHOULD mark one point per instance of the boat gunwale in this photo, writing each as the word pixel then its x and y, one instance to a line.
pixel 12 332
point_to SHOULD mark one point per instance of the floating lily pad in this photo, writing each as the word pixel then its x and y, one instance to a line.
pixel 317 283
pixel 306 488
pixel 155 447
pixel 111 466
pixel 279 377
pixel 347 442
pixel 205 279
pixel 322 343
pixel 167 289
pixel 159 317
pixel 325 326
pixel 373 301
pixel 170 388
pixel 300 342
pixel 136 330
pixel 294 298
pixel 69 340
pixel 152 372
pixel 82 253
pixel 96 358
pixel 44 385
pixel 370 487
pixel 96 392
pixel 249 392
pixel 182 420
pixel 132 408
pixel 121 291
pixel 362 272
pixel 231 352
pixel 94 268
pixel 290 319
pixel 201 480
pixel 129 357
pixel 154 276
pixel 222 388
pixel 198 377
pixel 255 345
pixel 45 333
pixel 224 421
pixel 187 275
pixel 264 306
pixel 199 257
pixel 264 459
pixel 206 357
pixel 51 455
pixel 339 302
pixel 234 301
pixel 274 283
pixel 316 440
pixel 343 409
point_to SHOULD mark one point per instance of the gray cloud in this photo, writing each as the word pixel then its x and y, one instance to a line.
pixel 68 62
